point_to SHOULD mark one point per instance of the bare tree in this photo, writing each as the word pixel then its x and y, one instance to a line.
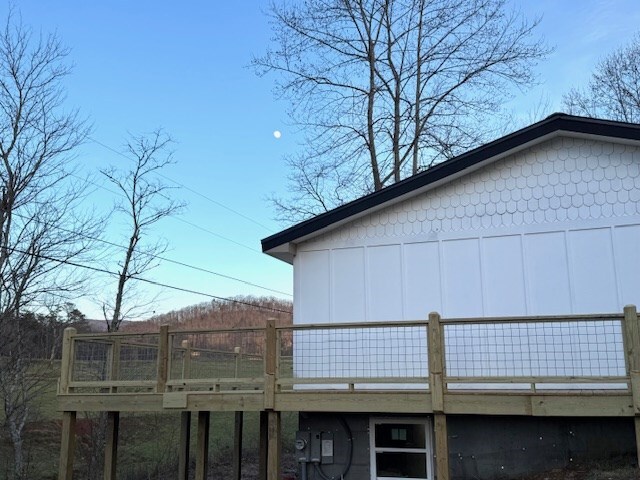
pixel 38 192
pixel 145 203
pixel 385 88
pixel 613 91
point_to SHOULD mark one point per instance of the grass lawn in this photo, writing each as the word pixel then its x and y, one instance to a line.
pixel 148 442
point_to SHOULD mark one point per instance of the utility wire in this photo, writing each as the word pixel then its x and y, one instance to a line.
pixel 168 260
pixel 195 225
pixel 182 185
pixel 146 280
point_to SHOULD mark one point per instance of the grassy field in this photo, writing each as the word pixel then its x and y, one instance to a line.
pixel 148 442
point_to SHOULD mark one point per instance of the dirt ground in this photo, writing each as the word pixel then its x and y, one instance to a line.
pixel 250 472
pixel 223 469
pixel 588 473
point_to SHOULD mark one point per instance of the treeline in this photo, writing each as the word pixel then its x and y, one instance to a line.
pixel 39 335
pixel 239 311
pixel 232 315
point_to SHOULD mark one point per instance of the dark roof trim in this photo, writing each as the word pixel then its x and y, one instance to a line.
pixel 554 123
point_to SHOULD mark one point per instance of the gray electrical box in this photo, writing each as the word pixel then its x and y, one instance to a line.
pixel 316 446
pixel 326 447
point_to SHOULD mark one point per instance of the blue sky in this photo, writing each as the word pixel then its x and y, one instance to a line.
pixel 183 66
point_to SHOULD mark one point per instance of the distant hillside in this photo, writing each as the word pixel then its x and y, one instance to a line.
pixel 240 311
pixel 100 326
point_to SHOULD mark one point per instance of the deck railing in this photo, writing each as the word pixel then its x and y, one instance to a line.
pixel 594 352
pixel 548 366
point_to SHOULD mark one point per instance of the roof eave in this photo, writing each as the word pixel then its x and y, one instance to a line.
pixel 282 245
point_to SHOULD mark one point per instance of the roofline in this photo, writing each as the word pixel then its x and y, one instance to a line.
pixel 557 122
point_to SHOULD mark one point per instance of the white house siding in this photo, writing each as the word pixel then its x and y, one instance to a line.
pixel 554 229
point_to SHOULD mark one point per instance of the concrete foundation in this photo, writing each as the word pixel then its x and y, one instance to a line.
pixel 487 447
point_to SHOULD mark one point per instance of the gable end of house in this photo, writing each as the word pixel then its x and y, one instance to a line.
pixel 283 244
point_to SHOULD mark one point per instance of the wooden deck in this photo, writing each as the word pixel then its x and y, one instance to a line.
pixel 440 367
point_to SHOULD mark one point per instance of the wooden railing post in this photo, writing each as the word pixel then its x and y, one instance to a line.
pixel 270 361
pixel 237 352
pixel 68 440
pixel 437 387
pixel 632 360
pixel 114 362
pixel 163 359
pixel 186 359
pixel 273 417
pixel 66 363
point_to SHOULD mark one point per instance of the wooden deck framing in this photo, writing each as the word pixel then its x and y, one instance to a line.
pixel 276 391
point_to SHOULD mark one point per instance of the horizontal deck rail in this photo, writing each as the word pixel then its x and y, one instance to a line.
pixel 419 366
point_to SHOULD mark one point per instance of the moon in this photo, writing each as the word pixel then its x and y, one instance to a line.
pixel 277 133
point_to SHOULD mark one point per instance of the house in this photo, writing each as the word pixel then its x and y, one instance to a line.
pixel 544 221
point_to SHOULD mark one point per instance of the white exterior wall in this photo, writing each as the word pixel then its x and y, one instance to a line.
pixel 554 229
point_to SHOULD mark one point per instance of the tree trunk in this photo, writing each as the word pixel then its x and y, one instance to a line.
pixel 16 420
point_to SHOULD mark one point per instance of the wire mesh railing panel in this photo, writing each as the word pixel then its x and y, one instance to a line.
pixel 218 355
pixel 90 360
pixel 535 349
pixel 138 359
pixel 121 358
pixel 356 352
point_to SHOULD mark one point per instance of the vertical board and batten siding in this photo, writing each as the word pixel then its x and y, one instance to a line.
pixel 554 229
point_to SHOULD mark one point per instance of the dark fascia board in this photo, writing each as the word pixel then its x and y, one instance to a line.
pixel 558 122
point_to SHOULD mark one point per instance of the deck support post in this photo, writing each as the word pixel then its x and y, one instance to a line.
pixel 632 350
pixel 183 451
pixel 111 445
pixel 273 448
pixel 442 447
pixel 264 443
pixel 202 449
pixel 437 387
pixel 67 446
pixel 237 446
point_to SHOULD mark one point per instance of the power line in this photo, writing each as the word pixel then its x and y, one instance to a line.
pixel 195 225
pixel 210 232
pixel 217 235
pixel 182 185
pixel 168 260
pixel 146 280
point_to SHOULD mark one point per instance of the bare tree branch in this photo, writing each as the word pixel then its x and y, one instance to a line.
pixel 145 203
pixel 37 193
pixel 614 88
pixel 385 88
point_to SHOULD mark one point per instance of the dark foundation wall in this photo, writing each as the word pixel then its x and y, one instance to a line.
pixel 489 447
pixel 486 447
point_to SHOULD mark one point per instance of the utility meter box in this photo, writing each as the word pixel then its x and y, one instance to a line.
pixel 303 447
pixel 314 446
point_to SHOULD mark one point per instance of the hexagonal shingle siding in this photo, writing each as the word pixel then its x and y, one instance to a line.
pixel 564 179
